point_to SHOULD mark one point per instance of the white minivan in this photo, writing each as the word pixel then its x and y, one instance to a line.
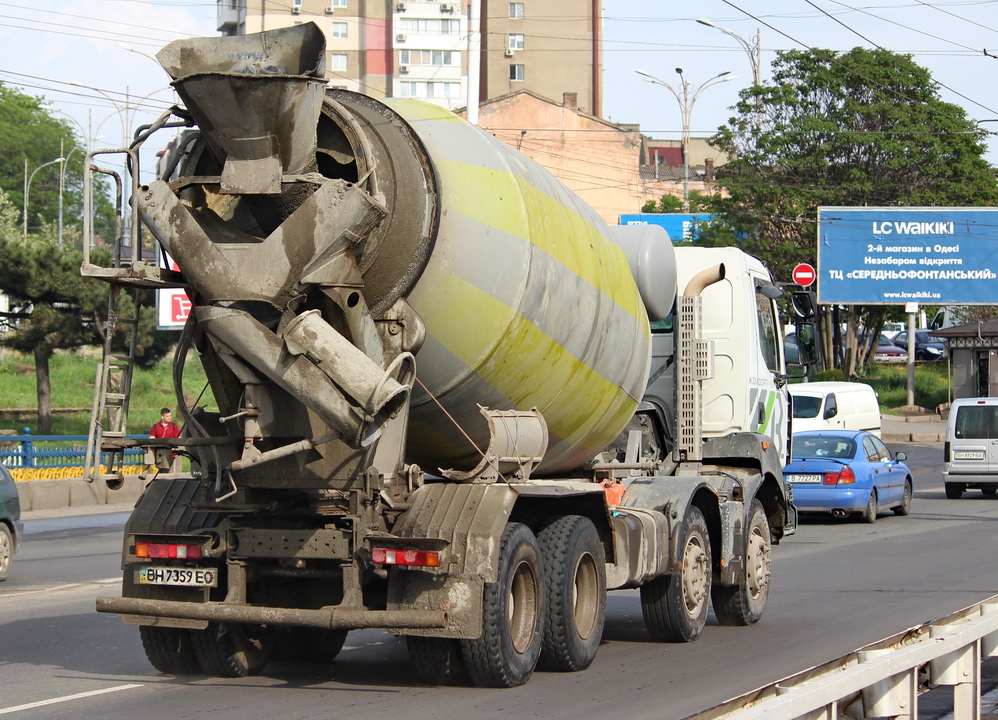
pixel 835 406
pixel 970 454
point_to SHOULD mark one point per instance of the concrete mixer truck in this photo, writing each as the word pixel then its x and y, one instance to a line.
pixel 444 398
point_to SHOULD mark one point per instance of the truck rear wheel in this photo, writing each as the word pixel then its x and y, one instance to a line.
pixel 232 649
pixel 575 580
pixel 513 610
pixel 675 606
pixel 437 661
pixel 954 491
pixel 744 603
pixel 169 650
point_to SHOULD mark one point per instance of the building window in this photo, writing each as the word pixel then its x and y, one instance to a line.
pixel 338 62
pixel 339 29
pixel 515 41
pixel 516 72
pixel 338 3
pixel 438 58
pixel 430 26
pixel 516 11
pixel 422 89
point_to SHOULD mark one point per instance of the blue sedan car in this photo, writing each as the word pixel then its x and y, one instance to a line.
pixel 846 472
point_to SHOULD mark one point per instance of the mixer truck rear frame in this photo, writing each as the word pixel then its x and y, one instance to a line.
pixel 328 242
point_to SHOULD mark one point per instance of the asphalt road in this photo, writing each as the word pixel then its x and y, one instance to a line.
pixel 837 586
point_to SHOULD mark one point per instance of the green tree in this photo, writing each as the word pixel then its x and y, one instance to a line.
pixel 52 307
pixel 32 136
pixel 862 128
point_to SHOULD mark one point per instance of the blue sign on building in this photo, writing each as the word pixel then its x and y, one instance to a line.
pixel 680 226
pixel 934 256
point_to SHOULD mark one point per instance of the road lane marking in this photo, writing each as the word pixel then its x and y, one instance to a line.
pixel 67 698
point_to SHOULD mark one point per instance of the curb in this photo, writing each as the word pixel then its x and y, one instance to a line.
pixel 75 493
pixel 916 437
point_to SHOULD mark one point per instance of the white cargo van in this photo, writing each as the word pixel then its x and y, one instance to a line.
pixel 971 451
pixel 835 406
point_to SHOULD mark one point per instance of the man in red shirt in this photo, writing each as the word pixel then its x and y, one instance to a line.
pixel 166 428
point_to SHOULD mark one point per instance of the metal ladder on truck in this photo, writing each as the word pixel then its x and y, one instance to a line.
pixel 109 414
pixel 129 276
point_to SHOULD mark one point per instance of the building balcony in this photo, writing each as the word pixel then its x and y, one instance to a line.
pixel 231 14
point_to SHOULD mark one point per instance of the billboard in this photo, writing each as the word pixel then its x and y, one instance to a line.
pixel 895 255
pixel 678 225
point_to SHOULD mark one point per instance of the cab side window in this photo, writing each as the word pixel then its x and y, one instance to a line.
pixel 767 331
pixel 831 406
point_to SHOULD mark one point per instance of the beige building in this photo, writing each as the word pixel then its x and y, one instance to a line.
pixel 418 48
pixel 606 164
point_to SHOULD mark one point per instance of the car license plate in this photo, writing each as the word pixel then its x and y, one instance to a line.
pixel 184 577
pixel 968 454
pixel 810 478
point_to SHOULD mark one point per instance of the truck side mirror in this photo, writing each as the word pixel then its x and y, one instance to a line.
pixel 803 305
pixel 807 346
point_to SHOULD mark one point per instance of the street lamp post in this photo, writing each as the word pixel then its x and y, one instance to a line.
pixel 27 186
pixel 62 183
pixel 687 96
pixel 753 49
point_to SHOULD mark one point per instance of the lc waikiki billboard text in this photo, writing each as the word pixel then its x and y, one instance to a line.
pixel 934 256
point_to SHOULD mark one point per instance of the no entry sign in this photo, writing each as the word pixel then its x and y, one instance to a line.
pixel 803 274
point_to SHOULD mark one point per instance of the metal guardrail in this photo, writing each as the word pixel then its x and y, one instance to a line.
pixel 883 679
pixel 52 451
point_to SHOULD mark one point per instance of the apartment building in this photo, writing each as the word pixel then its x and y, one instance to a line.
pixel 419 48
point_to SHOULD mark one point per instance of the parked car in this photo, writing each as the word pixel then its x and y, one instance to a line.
pixel 970 455
pixel 11 528
pixel 845 473
pixel 887 351
pixel 926 346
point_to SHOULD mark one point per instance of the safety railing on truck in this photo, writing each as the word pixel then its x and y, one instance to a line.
pixel 883 679
pixel 35 457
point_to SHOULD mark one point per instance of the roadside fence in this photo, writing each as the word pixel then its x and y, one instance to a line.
pixel 54 457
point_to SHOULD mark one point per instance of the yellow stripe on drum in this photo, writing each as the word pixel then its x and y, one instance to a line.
pixel 531 367
pixel 415 111
pixel 547 223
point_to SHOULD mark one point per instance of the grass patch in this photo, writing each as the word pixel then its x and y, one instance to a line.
pixel 72 380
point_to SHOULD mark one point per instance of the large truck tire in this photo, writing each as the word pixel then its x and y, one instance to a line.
pixel 513 611
pixel 232 650
pixel 437 661
pixel 575 581
pixel 675 606
pixel 744 603
pixel 309 645
pixel 169 650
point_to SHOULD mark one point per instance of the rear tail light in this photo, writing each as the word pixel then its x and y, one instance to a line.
pixel 416 558
pixel 168 551
pixel 844 477
pixel 946 452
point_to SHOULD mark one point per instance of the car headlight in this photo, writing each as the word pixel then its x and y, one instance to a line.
pixel 934 351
